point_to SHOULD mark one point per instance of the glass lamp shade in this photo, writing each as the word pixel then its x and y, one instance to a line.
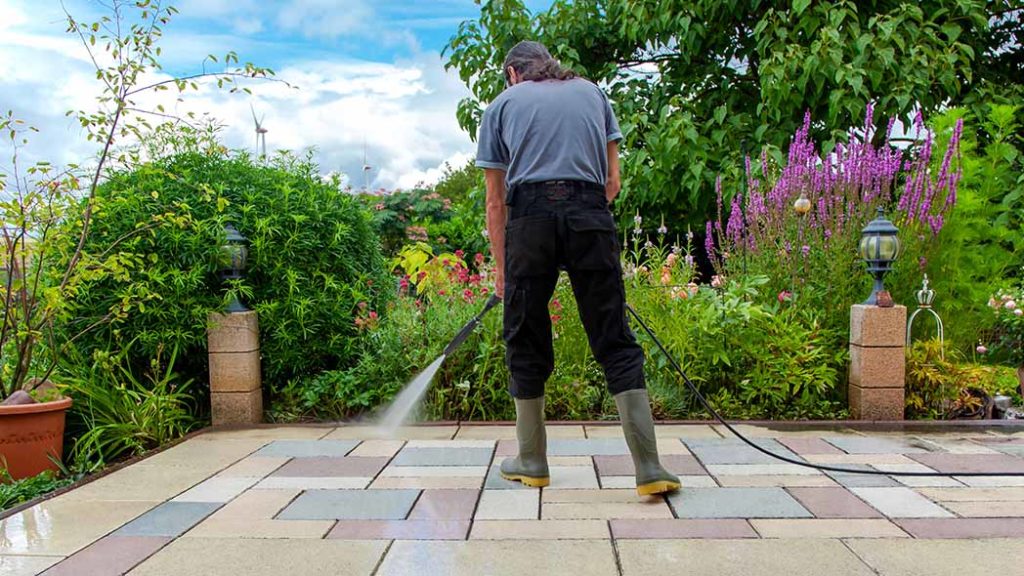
pixel 802 205
pixel 879 248
pixel 234 253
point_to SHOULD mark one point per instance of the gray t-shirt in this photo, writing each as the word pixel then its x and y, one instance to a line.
pixel 548 130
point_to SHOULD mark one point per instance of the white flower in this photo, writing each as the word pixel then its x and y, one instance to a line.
pixel 484 233
pixel 1010 305
pixel 637 219
pixel 662 230
pixel 1018 312
pixel 981 349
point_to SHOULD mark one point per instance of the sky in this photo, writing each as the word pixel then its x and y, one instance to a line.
pixel 368 73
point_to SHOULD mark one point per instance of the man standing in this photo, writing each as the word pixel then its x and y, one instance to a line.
pixel 549 148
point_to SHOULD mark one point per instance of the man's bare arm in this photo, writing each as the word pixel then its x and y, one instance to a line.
pixel 614 183
pixel 496 217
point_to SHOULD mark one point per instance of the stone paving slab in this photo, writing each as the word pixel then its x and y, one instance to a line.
pixel 400 530
pixel 540 530
pixel 253 467
pixel 110 555
pixel 26 565
pixel 351 505
pixel 986 509
pixel 736 503
pixel 900 503
pixel 269 557
pixel 833 503
pixel 508 505
pixel 827 528
pixel 734 451
pixel 648 529
pixel 622 465
pixel 445 505
pixel 170 519
pixel 217 489
pixel 588 447
pixel 313 483
pixel 418 482
pixel 455 456
pixel 957 463
pixel 56 527
pixel 307 448
pixel 940 557
pixel 876 445
pixel 819 480
pixel 605 510
pixel 963 527
pixel 319 466
pixel 740 558
pixel 500 558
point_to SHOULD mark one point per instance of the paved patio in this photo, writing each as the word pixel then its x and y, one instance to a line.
pixel 315 500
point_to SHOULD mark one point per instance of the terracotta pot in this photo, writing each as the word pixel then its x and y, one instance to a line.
pixel 30 434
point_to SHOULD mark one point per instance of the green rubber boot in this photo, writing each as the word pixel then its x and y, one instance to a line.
pixel 638 426
pixel 531 465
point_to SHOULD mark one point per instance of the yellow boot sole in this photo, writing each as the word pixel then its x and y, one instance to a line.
pixel 530 481
pixel 659 487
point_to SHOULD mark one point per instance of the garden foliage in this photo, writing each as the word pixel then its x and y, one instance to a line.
pixel 312 257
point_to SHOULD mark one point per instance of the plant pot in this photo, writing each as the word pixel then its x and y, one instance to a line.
pixel 30 435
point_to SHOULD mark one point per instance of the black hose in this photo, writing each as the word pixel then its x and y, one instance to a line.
pixel 717 416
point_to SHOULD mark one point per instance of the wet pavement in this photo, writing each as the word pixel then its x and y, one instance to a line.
pixel 323 500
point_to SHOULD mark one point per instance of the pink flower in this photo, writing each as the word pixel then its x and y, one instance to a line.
pixel 373 315
pixel 981 349
pixel 478 258
pixel 716 281
pixel 785 296
pixel 1010 305
pixel 1018 312
pixel 459 254
pixel 468 295
pixel 556 304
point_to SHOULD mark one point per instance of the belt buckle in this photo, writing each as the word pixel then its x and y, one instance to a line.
pixel 559 190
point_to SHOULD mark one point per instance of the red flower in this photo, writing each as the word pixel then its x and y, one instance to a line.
pixel 556 305
pixel 459 254
pixel 478 258
pixel 373 314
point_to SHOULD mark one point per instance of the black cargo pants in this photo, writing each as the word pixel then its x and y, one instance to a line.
pixel 554 226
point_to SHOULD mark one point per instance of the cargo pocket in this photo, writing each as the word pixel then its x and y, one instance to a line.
pixel 514 311
pixel 592 242
pixel 530 245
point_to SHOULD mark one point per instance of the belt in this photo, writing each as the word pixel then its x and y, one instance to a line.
pixel 548 185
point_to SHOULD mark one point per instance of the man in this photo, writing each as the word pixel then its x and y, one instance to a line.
pixel 549 148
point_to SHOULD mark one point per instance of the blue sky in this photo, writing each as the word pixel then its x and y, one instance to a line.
pixel 367 71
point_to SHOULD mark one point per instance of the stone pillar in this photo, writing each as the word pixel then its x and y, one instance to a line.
pixel 877 362
pixel 236 392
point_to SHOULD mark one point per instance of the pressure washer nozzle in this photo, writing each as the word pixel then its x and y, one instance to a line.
pixel 470 326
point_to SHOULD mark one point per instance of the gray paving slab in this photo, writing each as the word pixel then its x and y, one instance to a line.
pixel 587 447
pixel 307 448
pixel 735 451
pixel 877 445
pixel 168 519
pixel 443 457
pixel 851 480
pixel 736 503
pixel 351 505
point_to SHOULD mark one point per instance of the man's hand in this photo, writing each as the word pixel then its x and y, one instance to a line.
pixel 613 184
pixel 496 217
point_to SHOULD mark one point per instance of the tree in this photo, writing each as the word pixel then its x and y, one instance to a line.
pixel 699 84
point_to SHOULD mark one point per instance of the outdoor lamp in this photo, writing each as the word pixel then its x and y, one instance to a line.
pixel 879 247
pixel 802 205
pixel 235 252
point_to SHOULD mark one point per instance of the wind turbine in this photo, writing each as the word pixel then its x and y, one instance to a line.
pixel 366 169
pixel 261 132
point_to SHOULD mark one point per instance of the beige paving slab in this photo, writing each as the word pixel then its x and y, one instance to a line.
pixel 596 496
pixel 719 470
pixel 141 483
pixel 663 431
pixel 539 530
pixel 378 448
pixel 1010 494
pixel 497 432
pixel 928 481
pixel 216 489
pixel 870 459
pixel 570 461
pixel 255 505
pixel 567 477
pixel 313 483
pixel 457 443
pixel 252 467
pixel 403 433
pixel 201 453
pixel 263 557
pixel 986 509
pixel 433 471
pixel 423 483
pixel 268 433
pixel 263 528
pixel 753 431
pixel 739 558
pixel 941 557
pixel 26 565
pixel 499 558
pixel 958 446
pixel 991 481
pixel 776 481
pixel 508 505
pixel 61 527
pixel 605 510
pixel 630 482
pixel 827 528
pixel 565 432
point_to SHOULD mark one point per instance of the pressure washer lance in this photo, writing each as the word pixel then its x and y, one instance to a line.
pixel 735 432
pixel 471 325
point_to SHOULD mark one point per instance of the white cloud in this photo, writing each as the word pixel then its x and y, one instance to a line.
pixel 403 111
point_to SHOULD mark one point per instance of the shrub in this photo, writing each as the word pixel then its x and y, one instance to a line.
pixel 14 492
pixel 951 387
pixel 312 258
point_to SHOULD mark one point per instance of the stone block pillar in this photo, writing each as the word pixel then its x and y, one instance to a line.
pixel 236 391
pixel 877 362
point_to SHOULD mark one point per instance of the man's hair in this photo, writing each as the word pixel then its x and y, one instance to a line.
pixel 532 61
